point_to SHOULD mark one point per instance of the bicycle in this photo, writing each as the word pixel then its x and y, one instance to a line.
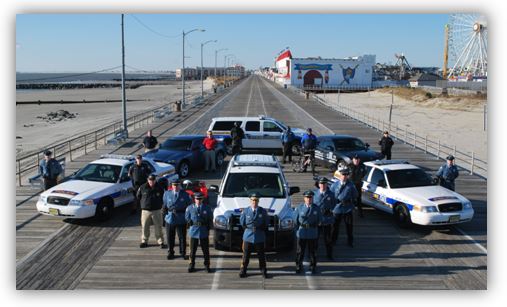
pixel 306 159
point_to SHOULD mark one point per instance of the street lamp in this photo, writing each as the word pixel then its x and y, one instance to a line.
pixel 225 65
pixel 183 68
pixel 202 66
pixel 216 52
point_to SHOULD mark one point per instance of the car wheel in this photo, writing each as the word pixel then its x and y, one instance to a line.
pixel 104 210
pixel 220 158
pixel 183 169
pixel 402 216
pixel 295 148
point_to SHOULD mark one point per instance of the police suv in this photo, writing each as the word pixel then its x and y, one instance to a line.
pixel 98 188
pixel 246 174
pixel 261 133
pixel 411 195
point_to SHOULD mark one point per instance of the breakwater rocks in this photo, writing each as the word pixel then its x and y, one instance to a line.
pixel 60 115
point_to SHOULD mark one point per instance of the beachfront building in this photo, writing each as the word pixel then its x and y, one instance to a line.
pixel 319 73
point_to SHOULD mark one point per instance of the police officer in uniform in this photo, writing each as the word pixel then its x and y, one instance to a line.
pixel 254 220
pixel 447 173
pixel 176 202
pixel 307 217
pixel 346 195
pixel 151 195
pixel 324 199
pixel 308 144
pixel 357 172
pixel 49 169
pixel 138 173
pixel 149 142
pixel 199 217
pixel 386 143
pixel 287 138
pixel 237 135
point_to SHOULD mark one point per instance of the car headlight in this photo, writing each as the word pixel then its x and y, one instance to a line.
pixel 467 205
pixel 287 224
pixel 85 202
pixel 171 161
pixel 221 222
pixel 425 209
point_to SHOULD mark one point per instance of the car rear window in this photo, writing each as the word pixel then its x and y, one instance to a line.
pixel 223 125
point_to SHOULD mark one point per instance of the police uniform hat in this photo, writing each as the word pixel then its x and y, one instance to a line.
pixel 152 177
pixel 323 180
pixel 139 156
pixel 254 195
pixel 198 195
pixel 309 129
pixel 176 181
pixel 308 193
pixel 450 157
pixel 48 153
pixel 356 157
pixel 344 170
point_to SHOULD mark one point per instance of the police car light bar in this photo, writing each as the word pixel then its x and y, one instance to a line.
pixel 120 157
pixel 273 162
pixel 389 162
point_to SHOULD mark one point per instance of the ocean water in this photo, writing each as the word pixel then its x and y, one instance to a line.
pixel 24 78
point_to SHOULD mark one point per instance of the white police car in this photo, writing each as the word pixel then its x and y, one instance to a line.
pixel 97 189
pixel 411 195
pixel 247 174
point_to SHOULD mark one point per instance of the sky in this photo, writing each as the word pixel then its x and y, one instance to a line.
pixel 92 42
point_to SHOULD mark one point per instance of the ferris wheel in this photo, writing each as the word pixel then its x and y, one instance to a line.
pixel 468 44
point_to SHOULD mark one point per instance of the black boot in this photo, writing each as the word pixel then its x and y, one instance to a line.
pixel 191 268
pixel 242 274
pixel 299 268
pixel 265 274
pixel 208 269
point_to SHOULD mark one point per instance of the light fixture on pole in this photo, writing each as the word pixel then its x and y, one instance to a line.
pixel 225 64
pixel 183 68
pixel 202 66
pixel 216 53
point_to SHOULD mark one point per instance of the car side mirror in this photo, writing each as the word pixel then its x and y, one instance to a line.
pixel 367 145
pixel 382 183
pixel 213 188
pixel 293 190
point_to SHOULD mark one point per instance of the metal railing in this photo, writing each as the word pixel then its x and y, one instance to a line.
pixel 465 160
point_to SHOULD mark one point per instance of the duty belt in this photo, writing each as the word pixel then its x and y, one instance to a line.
pixel 199 224
pixel 306 226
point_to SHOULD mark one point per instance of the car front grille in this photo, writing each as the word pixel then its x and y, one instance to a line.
pixel 60 201
pixel 234 221
pixel 450 207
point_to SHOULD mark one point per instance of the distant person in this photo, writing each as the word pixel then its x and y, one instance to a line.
pixel 176 202
pixel 138 174
pixel 237 135
pixel 386 143
pixel 287 139
pixel 199 217
pixel 150 142
pixel 308 144
pixel 209 143
pixel 49 169
pixel 447 173
pixel 357 172
pixel 151 197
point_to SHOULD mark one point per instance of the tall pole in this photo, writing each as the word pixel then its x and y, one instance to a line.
pixel 446 54
pixel 202 66
pixel 123 96
pixel 183 74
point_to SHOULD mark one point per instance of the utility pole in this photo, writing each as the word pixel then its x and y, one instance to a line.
pixel 123 96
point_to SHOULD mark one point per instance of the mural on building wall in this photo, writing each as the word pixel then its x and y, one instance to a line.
pixel 326 67
pixel 348 74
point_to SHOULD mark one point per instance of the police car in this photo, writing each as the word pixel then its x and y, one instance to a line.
pixel 246 174
pixel 98 188
pixel 411 195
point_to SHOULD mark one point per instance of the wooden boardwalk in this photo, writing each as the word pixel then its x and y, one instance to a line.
pixel 55 254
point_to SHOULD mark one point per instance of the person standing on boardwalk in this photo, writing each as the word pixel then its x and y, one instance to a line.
pixel 287 139
pixel 307 217
pixel 209 143
pixel 357 172
pixel 49 169
pixel 346 195
pixel 237 135
pixel 150 142
pixel 176 202
pixel 151 198
pixel 138 174
pixel 324 199
pixel 447 173
pixel 386 143
pixel 199 217
pixel 254 220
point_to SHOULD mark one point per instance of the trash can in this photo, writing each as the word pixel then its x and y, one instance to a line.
pixel 307 95
pixel 215 90
pixel 177 106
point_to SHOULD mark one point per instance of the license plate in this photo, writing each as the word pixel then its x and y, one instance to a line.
pixel 271 228
pixel 454 218
pixel 54 211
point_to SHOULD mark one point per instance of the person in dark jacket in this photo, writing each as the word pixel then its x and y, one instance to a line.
pixel 308 144
pixel 346 195
pixel 357 172
pixel 150 142
pixel 254 220
pixel 447 173
pixel 287 139
pixel 176 202
pixel 386 143
pixel 324 199
pixel 237 135
pixel 151 195
pixel 200 218
pixel 49 169
pixel 138 174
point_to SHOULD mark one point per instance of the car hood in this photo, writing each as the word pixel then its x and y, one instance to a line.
pixel 165 154
pixel 274 206
pixel 77 189
pixel 428 195
pixel 298 131
pixel 364 155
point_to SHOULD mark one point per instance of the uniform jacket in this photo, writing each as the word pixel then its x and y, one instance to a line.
pixel 309 141
pixel 448 175
pixel 150 142
pixel 200 219
pixel 237 134
pixel 139 174
pixel 346 196
pixel 326 203
pixel 386 143
pixel 50 169
pixel 176 208
pixel 306 220
pixel 151 197
pixel 255 225
pixel 357 173
pixel 287 137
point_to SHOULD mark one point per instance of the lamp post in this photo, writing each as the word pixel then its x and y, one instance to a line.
pixel 216 53
pixel 183 68
pixel 202 66
pixel 225 64
pixel 123 96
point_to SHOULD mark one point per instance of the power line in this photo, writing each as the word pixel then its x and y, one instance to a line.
pixel 151 30
pixel 67 76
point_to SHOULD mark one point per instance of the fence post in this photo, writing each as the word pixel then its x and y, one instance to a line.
pixel 70 151
pixel 415 138
pixel 19 171
pixel 95 139
pixel 85 144
pixel 406 136
pixel 454 153
pixel 472 166
pixel 426 143
pixel 438 151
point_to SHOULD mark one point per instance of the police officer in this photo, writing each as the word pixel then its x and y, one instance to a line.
pixel 308 144
pixel 324 199
pixel 176 202
pixel 138 173
pixel 287 139
pixel 386 143
pixel 49 169
pixel 149 142
pixel 447 173
pixel 307 217
pixel 151 195
pixel 254 220
pixel 237 135
pixel 346 195
pixel 357 172
pixel 199 217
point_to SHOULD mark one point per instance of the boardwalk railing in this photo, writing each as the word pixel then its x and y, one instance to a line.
pixel 465 160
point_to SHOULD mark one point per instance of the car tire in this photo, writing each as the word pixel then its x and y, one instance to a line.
pixel 183 169
pixel 104 210
pixel 220 158
pixel 402 216
pixel 295 148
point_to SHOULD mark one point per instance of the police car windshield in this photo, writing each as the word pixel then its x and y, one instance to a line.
pixel 408 178
pixel 176 145
pixel 348 144
pixel 281 125
pixel 242 184
pixel 99 172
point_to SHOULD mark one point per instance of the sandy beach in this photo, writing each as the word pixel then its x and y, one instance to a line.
pixel 35 133
pixel 454 120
